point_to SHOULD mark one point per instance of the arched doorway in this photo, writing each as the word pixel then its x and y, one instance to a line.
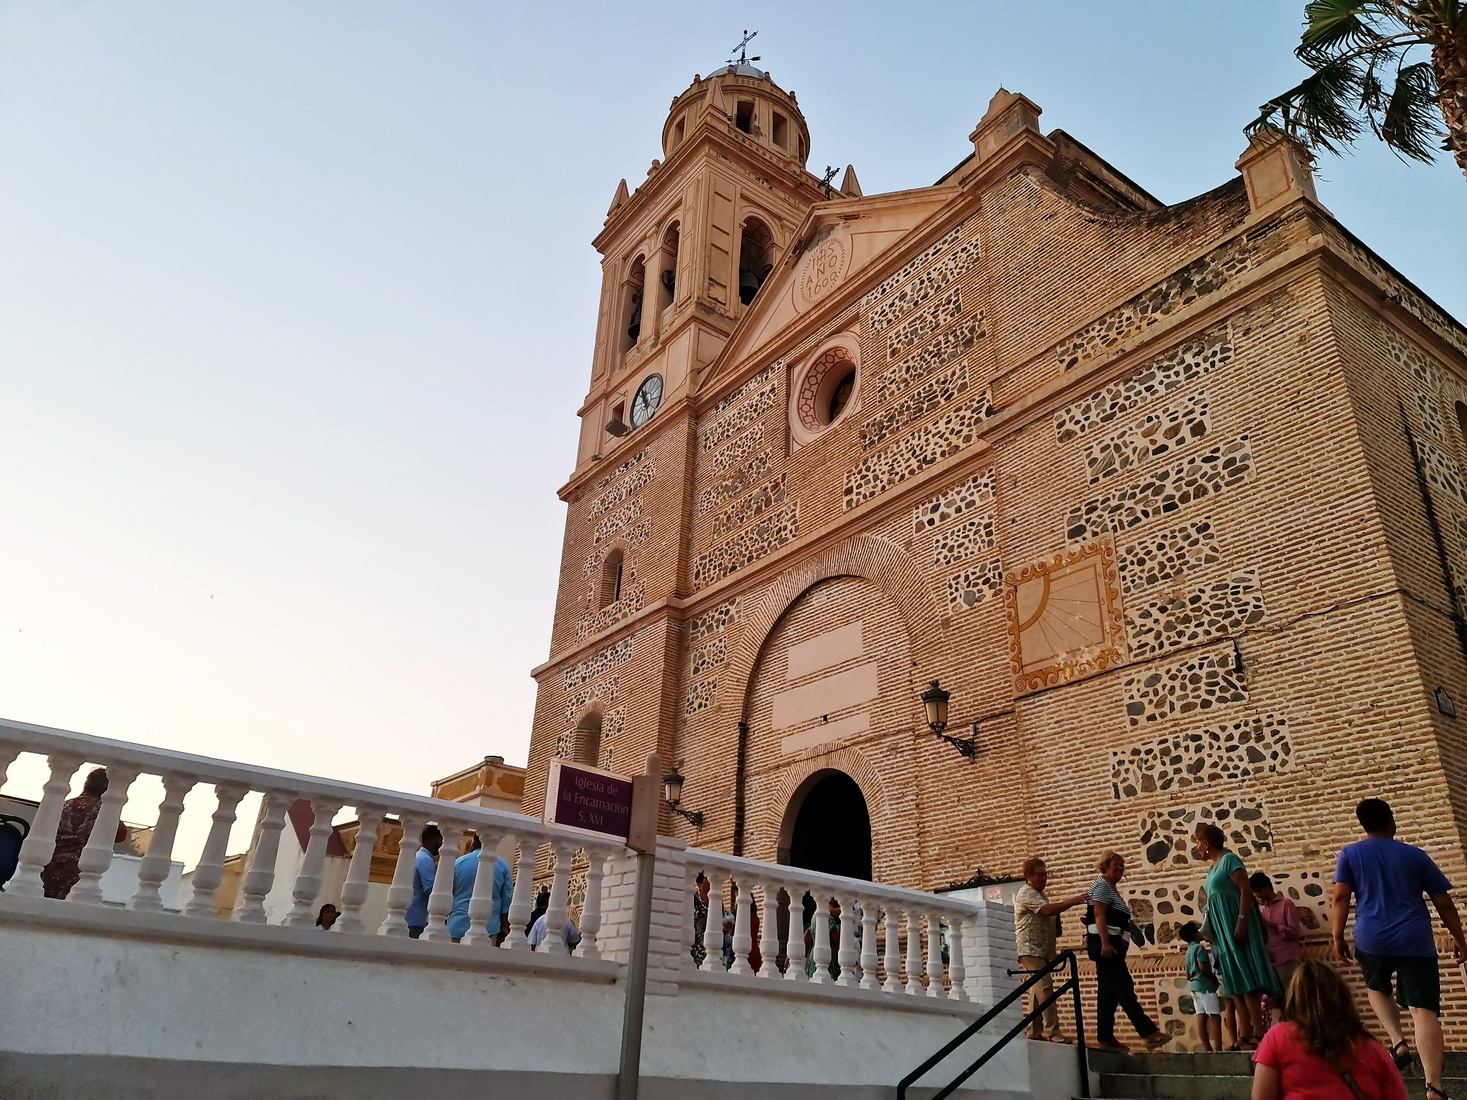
pixel 828 827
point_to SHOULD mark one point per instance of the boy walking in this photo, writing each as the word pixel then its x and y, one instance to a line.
pixel 1204 987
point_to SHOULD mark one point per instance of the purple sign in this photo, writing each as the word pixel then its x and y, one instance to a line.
pixel 589 800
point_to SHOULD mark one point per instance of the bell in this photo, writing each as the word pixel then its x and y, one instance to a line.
pixel 748 286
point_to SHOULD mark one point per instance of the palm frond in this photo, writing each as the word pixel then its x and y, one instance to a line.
pixel 1333 26
pixel 1409 124
pixel 1320 110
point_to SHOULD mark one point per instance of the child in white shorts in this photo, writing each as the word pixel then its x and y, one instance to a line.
pixel 1204 987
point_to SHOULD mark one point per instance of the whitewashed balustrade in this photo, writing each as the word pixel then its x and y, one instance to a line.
pixel 889 946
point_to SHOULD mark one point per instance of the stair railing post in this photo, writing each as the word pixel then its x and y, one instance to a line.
pixel 1079 1027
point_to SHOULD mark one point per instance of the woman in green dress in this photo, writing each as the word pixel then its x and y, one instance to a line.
pixel 1243 963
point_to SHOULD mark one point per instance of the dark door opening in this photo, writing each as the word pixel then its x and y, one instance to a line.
pixel 832 830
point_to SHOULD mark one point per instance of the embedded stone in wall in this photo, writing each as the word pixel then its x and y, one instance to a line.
pixel 1223 467
pixel 622 490
pixel 893 281
pixel 755 504
pixel 921 288
pixel 921 403
pixel 1309 890
pixel 964 540
pixel 616 521
pixel 748 546
pixel 1441 472
pixel 730 425
pixel 923 448
pixel 713 622
pixel 972 586
pixel 605 689
pixel 1431 417
pixel 918 327
pixel 1168 554
pixel 1175 1012
pixel 1161 909
pixel 634 595
pixel 637 533
pixel 1159 376
pixel 1157 433
pixel 1166 832
pixel 1223 607
pixel 598 663
pixel 743 391
pixel 1192 685
pixel 700 696
pixel 1237 750
pixel 708 656
pixel 565 744
pixel 1201 277
pixel 735 484
pixel 975 494
pixel 607 479
pixel 739 449
pixel 952 344
pixel 612 724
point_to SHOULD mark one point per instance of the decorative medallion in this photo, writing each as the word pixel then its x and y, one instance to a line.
pixel 823 267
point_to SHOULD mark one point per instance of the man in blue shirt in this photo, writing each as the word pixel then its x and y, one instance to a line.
pixel 465 872
pixel 425 869
pixel 1393 936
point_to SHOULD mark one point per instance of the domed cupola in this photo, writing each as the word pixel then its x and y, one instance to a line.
pixel 750 103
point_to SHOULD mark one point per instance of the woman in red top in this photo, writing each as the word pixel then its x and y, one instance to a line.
pixel 1321 1048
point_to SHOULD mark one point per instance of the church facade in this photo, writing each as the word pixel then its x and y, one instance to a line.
pixel 1169 499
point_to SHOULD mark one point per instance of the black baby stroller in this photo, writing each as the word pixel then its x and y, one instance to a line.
pixel 13 832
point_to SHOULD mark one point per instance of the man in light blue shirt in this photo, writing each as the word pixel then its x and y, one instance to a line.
pixel 465 872
pixel 425 870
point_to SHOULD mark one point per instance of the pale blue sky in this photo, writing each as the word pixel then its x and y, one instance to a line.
pixel 297 303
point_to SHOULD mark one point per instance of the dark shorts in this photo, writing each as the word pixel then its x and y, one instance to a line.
pixel 1418 978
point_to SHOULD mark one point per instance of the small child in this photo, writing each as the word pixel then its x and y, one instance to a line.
pixel 1204 987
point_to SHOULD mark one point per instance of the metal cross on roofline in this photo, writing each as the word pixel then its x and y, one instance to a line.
pixel 743 48
pixel 825 179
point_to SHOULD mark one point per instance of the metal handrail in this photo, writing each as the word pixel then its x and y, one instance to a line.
pixel 1071 985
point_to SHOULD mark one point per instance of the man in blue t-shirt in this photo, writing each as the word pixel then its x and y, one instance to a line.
pixel 1393 936
pixel 465 874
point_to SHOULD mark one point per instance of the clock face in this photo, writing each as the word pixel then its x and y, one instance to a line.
pixel 649 396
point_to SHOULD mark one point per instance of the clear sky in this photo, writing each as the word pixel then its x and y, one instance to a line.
pixel 297 303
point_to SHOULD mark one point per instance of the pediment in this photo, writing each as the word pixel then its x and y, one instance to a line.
pixel 838 245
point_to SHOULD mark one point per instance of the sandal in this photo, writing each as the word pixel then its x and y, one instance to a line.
pixel 1430 1089
pixel 1401 1054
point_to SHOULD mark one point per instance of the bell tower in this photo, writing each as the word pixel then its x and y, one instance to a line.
pixel 685 253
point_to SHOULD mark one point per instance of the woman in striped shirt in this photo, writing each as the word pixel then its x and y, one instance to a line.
pixel 1107 936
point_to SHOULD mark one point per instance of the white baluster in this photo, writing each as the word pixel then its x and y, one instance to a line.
pixel 481 901
pixel 869 978
pixel 795 945
pixel 96 857
pixel 257 881
pixel 40 842
pixel 690 916
pixel 769 932
pixel 713 932
pixel 522 904
pixel 893 961
pixel 400 893
pixel 914 953
pixel 849 955
pixel 820 952
pixel 591 910
pixel 8 753
pixel 743 938
pixel 359 872
pixel 934 957
pixel 956 971
pixel 559 912
pixel 308 881
pixel 440 898
pixel 209 872
pixel 154 868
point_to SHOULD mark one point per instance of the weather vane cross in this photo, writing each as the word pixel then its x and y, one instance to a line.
pixel 743 49
pixel 825 179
